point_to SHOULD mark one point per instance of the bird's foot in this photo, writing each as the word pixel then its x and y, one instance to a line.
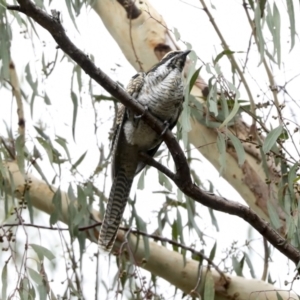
pixel 140 116
pixel 167 125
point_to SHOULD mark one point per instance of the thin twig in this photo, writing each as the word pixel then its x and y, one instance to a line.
pixel 230 56
pixel 131 41
pixel 266 260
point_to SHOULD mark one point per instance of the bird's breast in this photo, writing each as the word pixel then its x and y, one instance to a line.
pixel 163 98
pixel 141 135
pixel 162 94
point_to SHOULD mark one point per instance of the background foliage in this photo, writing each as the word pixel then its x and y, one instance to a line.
pixel 66 143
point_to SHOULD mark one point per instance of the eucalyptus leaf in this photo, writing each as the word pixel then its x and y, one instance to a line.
pixel 277 28
pixel 209 287
pixel 258 32
pixel 213 251
pixel 42 252
pixel 240 151
pixel 232 114
pixel 35 276
pixel 177 34
pixel 79 160
pixel 194 78
pixel 141 182
pixel 271 138
pixel 224 52
pixel 221 144
pixel 75 110
pixel 4 277
pixel 274 218
pixel 291 13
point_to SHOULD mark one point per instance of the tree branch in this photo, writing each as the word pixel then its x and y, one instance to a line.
pixel 182 177
pixel 231 207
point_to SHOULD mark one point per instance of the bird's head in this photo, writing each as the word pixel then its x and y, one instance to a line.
pixel 172 60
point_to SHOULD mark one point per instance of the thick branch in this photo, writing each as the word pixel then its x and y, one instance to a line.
pixel 182 178
pixel 231 207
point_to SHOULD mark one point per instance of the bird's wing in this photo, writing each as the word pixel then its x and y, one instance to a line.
pixel 124 164
pixel 151 152
pixel 134 86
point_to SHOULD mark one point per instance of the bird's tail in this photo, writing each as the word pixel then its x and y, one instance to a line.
pixel 114 211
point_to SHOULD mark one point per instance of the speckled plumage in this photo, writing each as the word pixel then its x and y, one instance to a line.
pixel 161 91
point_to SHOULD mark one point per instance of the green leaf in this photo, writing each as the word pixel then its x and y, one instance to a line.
pixel 42 133
pixel 258 32
pixel 78 69
pixel 213 252
pixel 26 291
pixel 277 45
pixel 262 4
pixel 42 252
pixel 75 110
pixel 235 108
pixel 213 98
pixel 214 220
pixel 220 55
pixel 68 3
pixel 249 263
pixel 175 235
pixel 63 143
pixel 20 153
pixel 4 277
pixel 238 265
pixel 180 227
pixel 141 182
pixel 79 161
pixel 274 218
pixel 291 13
pixel 39 170
pixel 141 225
pixel 47 99
pixel 194 78
pixel 58 208
pixel 209 287
pixel 298 266
pixel 278 296
pixel 164 181
pixel 291 228
pixel 47 147
pixel 222 151
pixel 271 138
pixel 35 276
pixel 176 34
pixel 238 148
pixel 291 179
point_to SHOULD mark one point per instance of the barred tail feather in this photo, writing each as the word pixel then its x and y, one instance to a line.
pixel 114 211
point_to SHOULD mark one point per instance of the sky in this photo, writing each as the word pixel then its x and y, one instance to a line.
pixel 195 28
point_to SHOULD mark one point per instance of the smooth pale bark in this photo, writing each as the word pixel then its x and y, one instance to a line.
pixel 144 39
pixel 162 262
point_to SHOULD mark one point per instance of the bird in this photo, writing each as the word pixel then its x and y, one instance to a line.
pixel 160 91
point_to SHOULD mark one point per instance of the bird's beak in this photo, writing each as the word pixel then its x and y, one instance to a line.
pixel 185 53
